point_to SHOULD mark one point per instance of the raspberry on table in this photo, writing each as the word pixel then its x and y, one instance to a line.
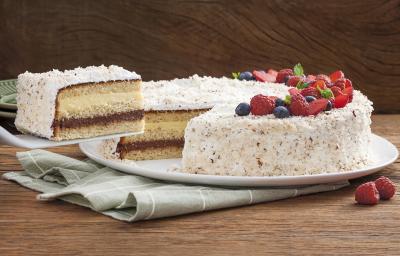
pixel 367 194
pixel 385 187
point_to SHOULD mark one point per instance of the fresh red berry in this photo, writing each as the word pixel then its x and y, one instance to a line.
pixel 261 76
pixel 341 83
pixel 262 105
pixel 293 91
pixel 341 101
pixel 349 92
pixel 282 74
pixel 336 75
pixel 321 84
pixel 367 194
pixel 293 80
pixel 298 105
pixel 385 187
pixel 348 83
pixel 311 91
pixel 317 106
pixel 272 72
pixel 323 77
pixel 336 91
pixel 311 77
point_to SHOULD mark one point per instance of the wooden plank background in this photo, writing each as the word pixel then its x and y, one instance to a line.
pixel 167 39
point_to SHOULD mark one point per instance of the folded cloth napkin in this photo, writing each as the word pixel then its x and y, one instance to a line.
pixel 10 99
pixel 133 198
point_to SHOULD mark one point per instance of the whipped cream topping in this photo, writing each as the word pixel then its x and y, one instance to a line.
pixel 205 92
pixel 37 92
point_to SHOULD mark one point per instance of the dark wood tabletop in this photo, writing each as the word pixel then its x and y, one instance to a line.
pixel 326 223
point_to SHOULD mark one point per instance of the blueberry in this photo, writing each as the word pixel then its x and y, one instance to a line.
pixel 281 112
pixel 243 109
pixel 310 98
pixel 248 76
pixel 279 102
pixel 329 106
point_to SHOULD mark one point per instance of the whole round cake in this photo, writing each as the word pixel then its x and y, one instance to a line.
pixel 315 125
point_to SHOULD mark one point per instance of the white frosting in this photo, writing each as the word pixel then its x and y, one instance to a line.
pixel 198 92
pixel 219 142
pixel 37 92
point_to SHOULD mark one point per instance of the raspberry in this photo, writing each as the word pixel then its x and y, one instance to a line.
pixel 293 81
pixel 367 194
pixel 336 75
pixel 386 188
pixel 282 74
pixel 310 91
pixel 336 91
pixel 298 105
pixel 341 83
pixel 324 78
pixel 262 105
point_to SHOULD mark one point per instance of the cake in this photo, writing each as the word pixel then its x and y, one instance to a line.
pixel 169 105
pixel 299 134
pixel 79 103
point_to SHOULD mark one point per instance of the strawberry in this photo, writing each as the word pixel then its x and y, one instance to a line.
pixel 341 83
pixel 367 194
pixel 298 105
pixel 319 84
pixel 293 91
pixel 272 72
pixel 336 91
pixel 348 83
pixel 323 77
pixel 310 91
pixel 262 105
pixel 293 81
pixel 317 106
pixel 341 101
pixel 261 76
pixel 349 92
pixel 282 74
pixel 386 188
pixel 336 75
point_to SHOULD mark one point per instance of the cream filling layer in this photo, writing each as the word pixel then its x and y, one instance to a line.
pixel 99 104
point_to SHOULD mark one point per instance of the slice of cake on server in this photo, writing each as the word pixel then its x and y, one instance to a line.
pixel 79 103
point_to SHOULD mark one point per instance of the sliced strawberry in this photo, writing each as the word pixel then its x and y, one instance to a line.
pixel 349 92
pixel 348 83
pixel 341 101
pixel 294 91
pixel 336 75
pixel 293 81
pixel 317 106
pixel 261 76
pixel 272 72
pixel 319 84
pixel 336 91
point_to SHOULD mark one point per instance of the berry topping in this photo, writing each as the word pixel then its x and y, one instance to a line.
pixel 283 74
pixel 348 83
pixel 310 91
pixel 311 77
pixel 341 83
pixel 298 105
pixel 279 102
pixel 327 93
pixel 243 109
pixel 336 91
pixel 262 76
pixel 367 194
pixel 248 76
pixel 324 78
pixel 281 112
pixel 317 106
pixel 321 84
pixel 298 70
pixel 262 105
pixel 293 91
pixel 336 75
pixel 385 187
pixel 310 98
pixel 329 106
pixel 341 101
pixel 293 81
pixel 349 92
pixel 272 72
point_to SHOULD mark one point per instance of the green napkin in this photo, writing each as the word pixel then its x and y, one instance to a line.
pixel 10 99
pixel 133 198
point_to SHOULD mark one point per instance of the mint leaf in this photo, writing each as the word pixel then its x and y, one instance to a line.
pixel 327 93
pixel 287 99
pixel 298 70
pixel 235 75
pixel 301 85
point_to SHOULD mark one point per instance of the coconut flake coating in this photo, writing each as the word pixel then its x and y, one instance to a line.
pixel 37 93
pixel 219 142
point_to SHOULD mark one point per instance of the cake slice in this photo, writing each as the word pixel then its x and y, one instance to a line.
pixel 80 103
pixel 169 105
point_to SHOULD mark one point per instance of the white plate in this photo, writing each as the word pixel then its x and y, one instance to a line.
pixel 385 153
pixel 29 141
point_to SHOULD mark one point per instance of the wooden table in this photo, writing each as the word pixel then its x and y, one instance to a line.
pixel 327 223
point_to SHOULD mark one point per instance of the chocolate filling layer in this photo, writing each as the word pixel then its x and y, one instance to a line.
pixel 78 122
pixel 150 144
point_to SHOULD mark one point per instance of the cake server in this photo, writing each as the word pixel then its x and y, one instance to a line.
pixel 33 142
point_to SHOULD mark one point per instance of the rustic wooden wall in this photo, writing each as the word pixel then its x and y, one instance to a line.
pixel 167 39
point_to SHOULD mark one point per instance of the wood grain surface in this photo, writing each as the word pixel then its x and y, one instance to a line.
pixel 327 223
pixel 168 39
